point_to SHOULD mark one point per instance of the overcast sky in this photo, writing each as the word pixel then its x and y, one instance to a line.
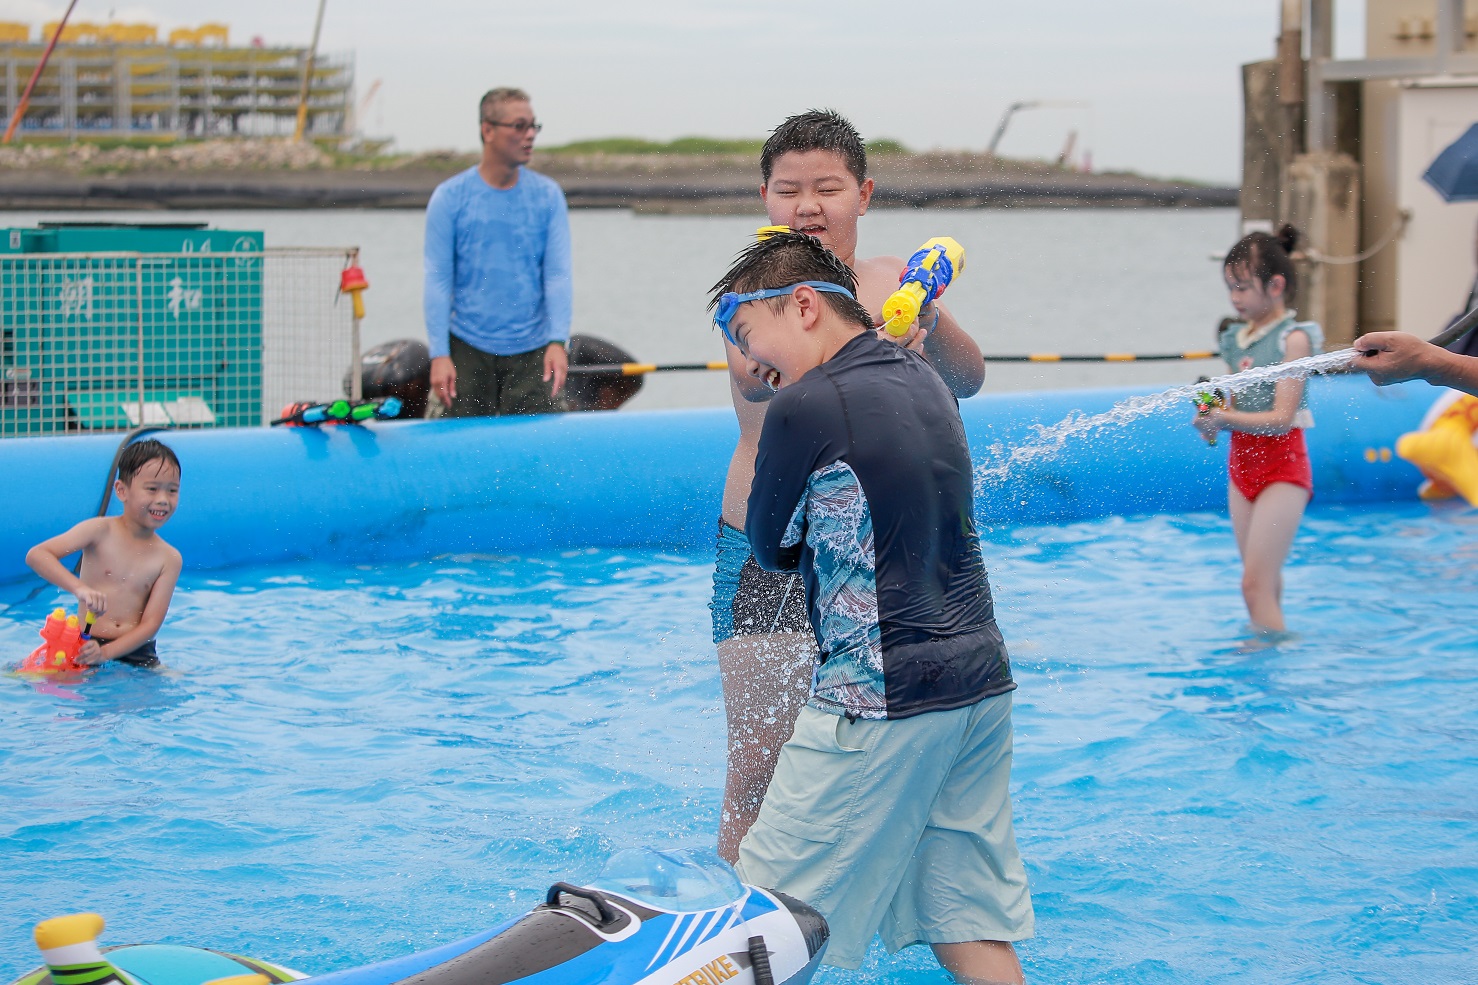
pixel 1161 76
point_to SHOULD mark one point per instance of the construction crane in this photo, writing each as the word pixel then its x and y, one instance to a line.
pixel 308 76
pixel 1015 108
pixel 364 103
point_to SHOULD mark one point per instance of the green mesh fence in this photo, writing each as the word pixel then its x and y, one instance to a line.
pixel 108 341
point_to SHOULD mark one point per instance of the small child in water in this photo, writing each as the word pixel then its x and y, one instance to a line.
pixel 1271 479
pixel 128 572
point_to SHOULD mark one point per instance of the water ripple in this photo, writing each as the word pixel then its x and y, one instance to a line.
pixel 347 763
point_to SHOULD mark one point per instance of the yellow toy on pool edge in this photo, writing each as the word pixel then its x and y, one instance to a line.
pixel 1445 453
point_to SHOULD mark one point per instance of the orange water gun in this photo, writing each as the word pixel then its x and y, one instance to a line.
pixel 63 637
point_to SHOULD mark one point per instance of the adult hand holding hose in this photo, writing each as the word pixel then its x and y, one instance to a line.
pixel 1395 357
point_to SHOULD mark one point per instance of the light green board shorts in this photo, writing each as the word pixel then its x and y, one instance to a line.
pixel 899 827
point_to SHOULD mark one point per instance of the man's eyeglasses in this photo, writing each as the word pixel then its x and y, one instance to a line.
pixel 521 127
pixel 728 304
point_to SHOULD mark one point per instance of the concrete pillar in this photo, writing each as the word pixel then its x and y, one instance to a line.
pixel 1272 134
pixel 1321 198
pixel 1319 110
pixel 67 87
pixel 123 96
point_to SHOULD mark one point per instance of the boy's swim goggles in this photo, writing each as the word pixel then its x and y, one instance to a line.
pixel 728 304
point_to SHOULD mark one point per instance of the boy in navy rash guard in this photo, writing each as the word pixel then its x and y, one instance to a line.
pixel 890 808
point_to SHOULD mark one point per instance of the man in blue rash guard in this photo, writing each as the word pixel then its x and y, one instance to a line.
pixel 498 291
pixel 890 808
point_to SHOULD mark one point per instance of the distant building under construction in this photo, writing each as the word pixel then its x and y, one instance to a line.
pixel 122 81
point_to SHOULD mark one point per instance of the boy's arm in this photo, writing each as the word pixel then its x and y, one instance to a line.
pixel 46 560
pixel 801 434
pixel 149 620
pixel 953 353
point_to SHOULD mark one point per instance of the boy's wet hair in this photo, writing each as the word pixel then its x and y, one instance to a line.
pixel 141 453
pixel 1265 256
pixel 816 129
pixel 790 258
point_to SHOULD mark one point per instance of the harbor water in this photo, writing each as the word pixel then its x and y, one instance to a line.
pixel 1036 280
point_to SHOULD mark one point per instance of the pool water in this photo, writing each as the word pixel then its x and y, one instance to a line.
pixel 346 764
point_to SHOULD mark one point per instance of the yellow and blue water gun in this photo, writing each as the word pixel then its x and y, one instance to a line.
pixel 929 271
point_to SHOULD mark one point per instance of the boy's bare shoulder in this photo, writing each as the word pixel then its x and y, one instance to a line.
pixel 94 527
pixel 877 278
pixel 880 266
pixel 166 553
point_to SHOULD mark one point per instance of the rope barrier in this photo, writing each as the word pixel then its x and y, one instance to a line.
pixel 641 369
pixel 1108 357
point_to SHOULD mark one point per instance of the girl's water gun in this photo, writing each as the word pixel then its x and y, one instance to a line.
pixel 1208 400
pixel 63 637
pixel 928 273
pixel 305 414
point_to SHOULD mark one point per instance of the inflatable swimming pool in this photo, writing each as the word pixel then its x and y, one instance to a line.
pixel 639 479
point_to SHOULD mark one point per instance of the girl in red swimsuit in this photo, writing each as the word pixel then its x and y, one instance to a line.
pixel 1271 481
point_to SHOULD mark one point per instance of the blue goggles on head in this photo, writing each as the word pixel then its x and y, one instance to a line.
pixel 728 304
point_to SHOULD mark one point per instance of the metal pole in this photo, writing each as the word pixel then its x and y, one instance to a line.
pixel 20 107
pixel 356 371
pixel 1319 136
pixel 308 75
pixel 1450 32
pixel 138 261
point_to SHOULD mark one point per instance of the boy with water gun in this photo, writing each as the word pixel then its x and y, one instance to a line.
pixel 814 167
pixel 128 572
pixel 889 809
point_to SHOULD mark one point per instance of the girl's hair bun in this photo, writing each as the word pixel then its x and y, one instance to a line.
pixel 1288 238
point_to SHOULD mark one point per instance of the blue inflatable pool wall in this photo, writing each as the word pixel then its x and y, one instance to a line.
pixel 650 479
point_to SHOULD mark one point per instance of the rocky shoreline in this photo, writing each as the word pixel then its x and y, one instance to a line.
pixel 277 174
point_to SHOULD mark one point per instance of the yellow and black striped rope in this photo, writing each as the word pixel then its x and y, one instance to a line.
pixel 641 369
pixel 1107 357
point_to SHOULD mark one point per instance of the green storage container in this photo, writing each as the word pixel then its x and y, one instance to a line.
pixel 106 327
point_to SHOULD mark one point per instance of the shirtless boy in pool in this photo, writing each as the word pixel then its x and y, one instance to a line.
pixel 814 168
pixel 128 572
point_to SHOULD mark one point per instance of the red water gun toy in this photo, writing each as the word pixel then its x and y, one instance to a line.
pixel 63 638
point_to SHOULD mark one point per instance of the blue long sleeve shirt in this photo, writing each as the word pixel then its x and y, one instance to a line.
pixel 498 265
